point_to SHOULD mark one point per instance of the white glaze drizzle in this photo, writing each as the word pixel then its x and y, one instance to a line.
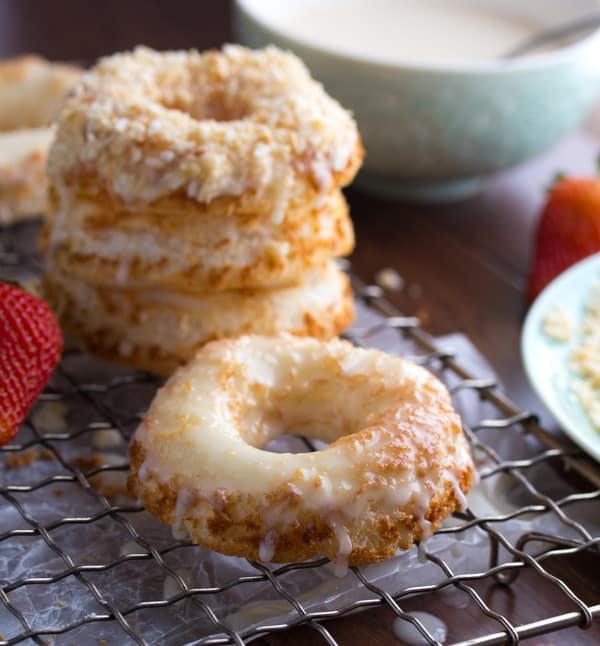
pixel 179 534
pixel 340 565
pixel 410 635
pixel 422 552
pixel 458 492
pixel 266 548
pixel 182 504
pixel 143 471
pixel 317 478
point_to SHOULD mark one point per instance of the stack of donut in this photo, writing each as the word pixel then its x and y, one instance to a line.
pixel 198 196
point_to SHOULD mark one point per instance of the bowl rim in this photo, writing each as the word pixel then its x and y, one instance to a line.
pixel 494 66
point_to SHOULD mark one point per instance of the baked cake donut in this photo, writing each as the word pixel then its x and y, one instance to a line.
pixel 180 246
pixel 180 135
pixel 198 196
pixel 157 329
pixel 396 465
pixel 23 183
pixel 31 91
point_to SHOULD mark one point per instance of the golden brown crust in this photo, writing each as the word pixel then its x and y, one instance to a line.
pixel 158 330
pixel 178 243
pixel 236 528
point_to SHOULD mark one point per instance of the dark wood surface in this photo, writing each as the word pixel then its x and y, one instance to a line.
pixel 469 261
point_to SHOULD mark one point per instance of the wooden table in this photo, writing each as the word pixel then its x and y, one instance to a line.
pixel 469 261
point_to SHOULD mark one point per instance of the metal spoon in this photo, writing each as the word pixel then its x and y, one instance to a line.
pixel 547 37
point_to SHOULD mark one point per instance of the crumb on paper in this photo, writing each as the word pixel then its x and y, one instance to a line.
pixel 62 603
pixel 110 484
pixel 107 438
pixel 96 460
pixel 50 417
pixel 87 463
pixel 389 278
pixel 20 460
pixel 558 325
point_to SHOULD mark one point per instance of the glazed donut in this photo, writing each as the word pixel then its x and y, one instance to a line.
pixel 31 91
pixel 191 248
pixel 244 130
pixel 396 466
pixel 158 330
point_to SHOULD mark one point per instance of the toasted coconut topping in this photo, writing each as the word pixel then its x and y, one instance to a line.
pixel 220 123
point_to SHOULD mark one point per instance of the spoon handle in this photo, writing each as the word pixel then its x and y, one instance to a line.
pixel 579 26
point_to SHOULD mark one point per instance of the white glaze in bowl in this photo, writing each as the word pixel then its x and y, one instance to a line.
pixel 432 129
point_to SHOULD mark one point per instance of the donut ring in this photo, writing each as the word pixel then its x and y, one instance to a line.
pixel 31 91
pixel 158 330
pixel 191 247
pixel 249 127
pixel 397 465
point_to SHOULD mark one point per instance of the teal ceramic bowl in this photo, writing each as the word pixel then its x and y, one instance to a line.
pixel 434 132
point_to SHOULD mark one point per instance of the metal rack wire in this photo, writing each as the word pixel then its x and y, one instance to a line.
pixel 105 405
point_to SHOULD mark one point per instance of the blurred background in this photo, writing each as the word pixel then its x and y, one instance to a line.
pixel 82 31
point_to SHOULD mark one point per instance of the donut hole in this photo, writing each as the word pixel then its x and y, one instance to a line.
pixel 203 97
pixel 211 106
pixel 322 408
pixel 218 106
pixel 288 443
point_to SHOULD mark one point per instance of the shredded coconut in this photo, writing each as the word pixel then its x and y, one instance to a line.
pixel 557 325
pixel 220 117
pixel 585 358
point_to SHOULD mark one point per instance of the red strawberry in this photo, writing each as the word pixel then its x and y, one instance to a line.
pixel 30 346
pixel 568 230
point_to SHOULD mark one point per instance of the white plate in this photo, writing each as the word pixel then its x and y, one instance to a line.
pixel 547 361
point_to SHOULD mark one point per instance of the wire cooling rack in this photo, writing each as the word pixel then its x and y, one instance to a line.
pixel 62 566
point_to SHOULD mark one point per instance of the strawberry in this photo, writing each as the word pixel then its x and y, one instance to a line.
pixel 568 230
pixel 30 346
